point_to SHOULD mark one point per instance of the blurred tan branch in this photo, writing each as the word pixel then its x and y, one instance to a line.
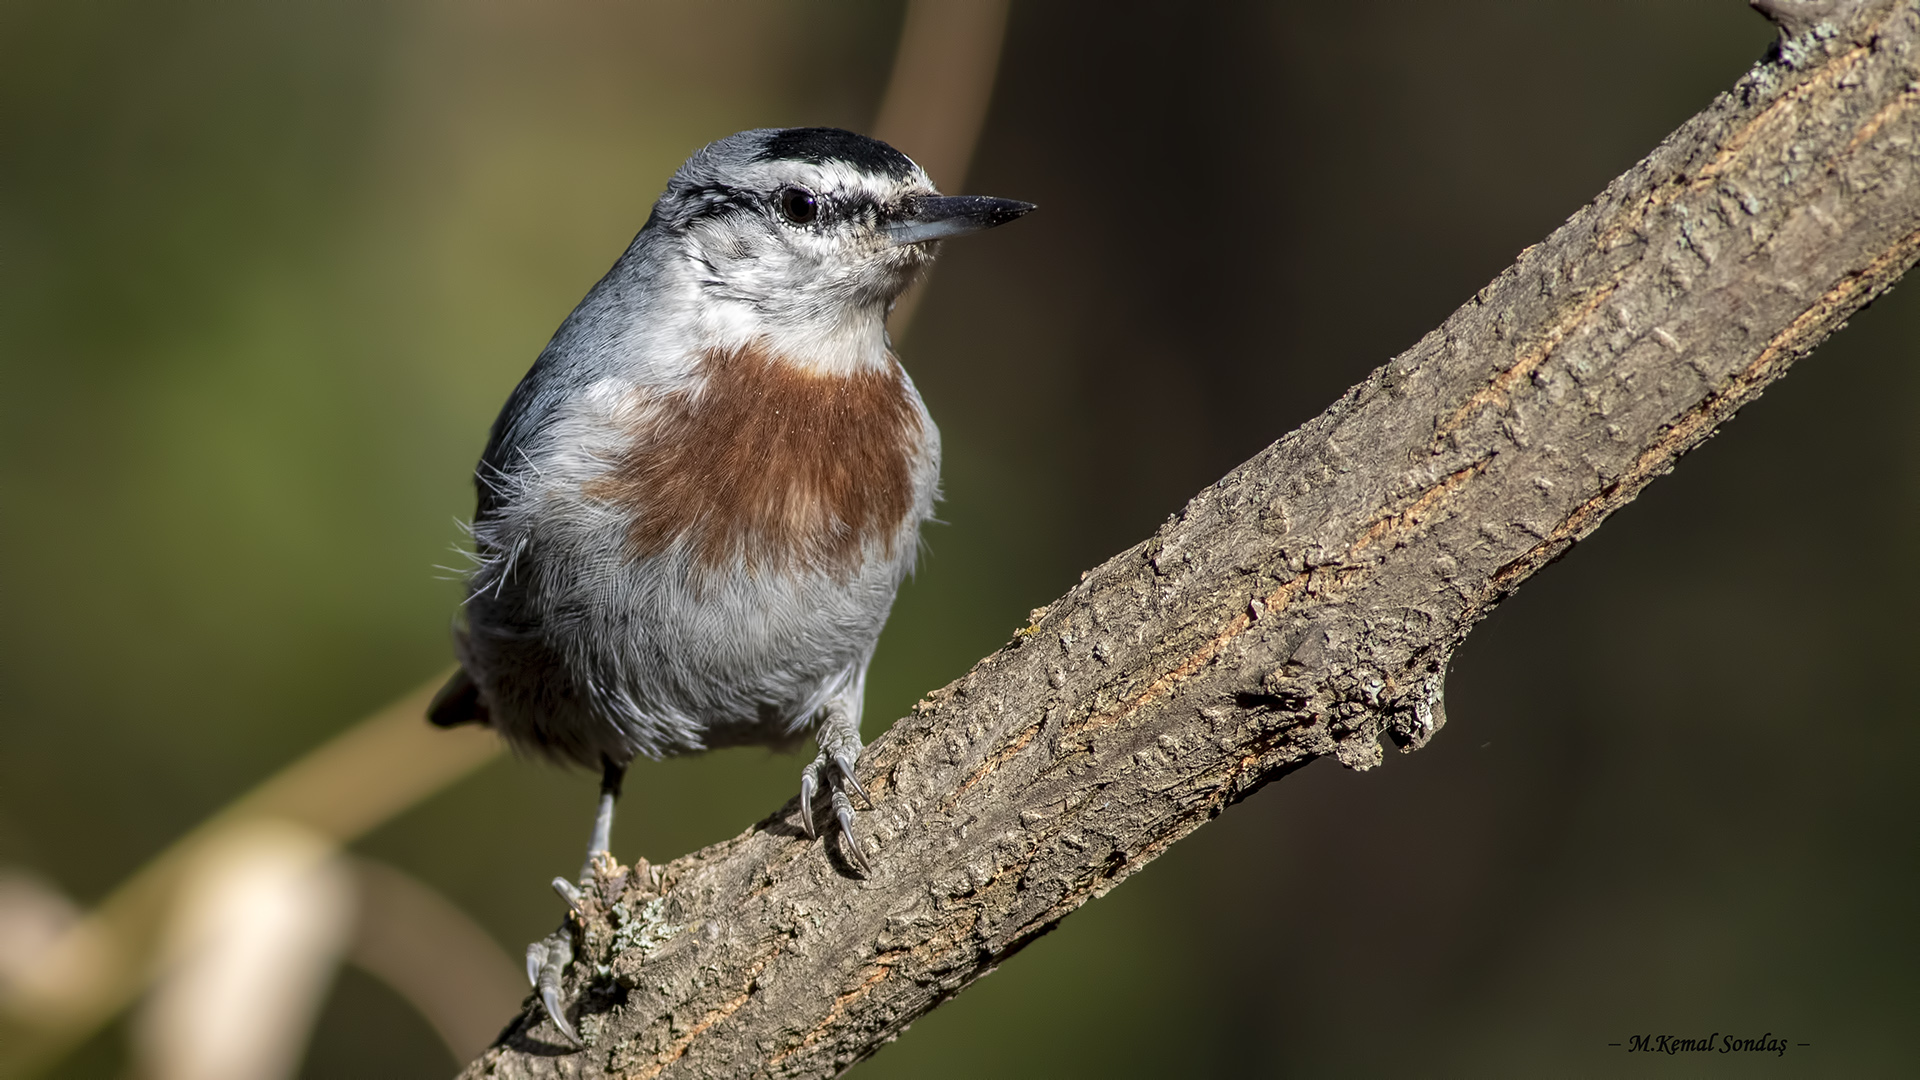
pixel 934 106
pixel 251 947
pixel 265 916
pixel 435 956
pixel 347 786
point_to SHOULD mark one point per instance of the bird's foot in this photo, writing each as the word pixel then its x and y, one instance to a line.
pixel 834 773
pixel 547 961
pixel 549 958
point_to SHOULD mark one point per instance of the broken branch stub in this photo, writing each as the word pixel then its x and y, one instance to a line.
pixel 1304 606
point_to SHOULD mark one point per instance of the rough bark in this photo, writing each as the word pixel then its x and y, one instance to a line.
pixel 1305 605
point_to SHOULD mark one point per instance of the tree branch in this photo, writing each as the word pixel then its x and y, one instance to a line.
pixel 1305 605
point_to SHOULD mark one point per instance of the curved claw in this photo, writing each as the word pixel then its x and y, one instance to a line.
pixel 807 791
pixel 845 765
pixel 855 853
pixel 550 997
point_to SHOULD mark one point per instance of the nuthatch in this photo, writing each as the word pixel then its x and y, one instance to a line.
pixel 695 509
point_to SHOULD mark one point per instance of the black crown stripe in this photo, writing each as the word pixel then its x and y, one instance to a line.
pixel 819 145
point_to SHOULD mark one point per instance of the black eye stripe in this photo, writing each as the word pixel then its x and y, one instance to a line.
pixel 715 202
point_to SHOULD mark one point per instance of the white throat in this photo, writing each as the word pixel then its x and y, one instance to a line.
pixel 835 338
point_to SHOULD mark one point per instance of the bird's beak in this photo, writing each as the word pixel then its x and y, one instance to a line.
pixel 920 218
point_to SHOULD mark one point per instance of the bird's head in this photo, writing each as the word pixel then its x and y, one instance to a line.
pixel 804 237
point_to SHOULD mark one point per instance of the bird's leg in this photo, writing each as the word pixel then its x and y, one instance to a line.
pixel 600 845
pixel 839 739
pixel 547 959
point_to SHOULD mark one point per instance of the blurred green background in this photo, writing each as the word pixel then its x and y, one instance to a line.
pixel 268 270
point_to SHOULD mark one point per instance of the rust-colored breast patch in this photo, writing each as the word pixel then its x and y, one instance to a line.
pixel 769 463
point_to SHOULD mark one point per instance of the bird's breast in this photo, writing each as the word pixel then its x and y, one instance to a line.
pixel 765 464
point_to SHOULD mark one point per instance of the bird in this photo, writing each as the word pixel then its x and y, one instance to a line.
pixel 695 510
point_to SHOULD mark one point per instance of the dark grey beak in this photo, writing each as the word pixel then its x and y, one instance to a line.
pixel 934 217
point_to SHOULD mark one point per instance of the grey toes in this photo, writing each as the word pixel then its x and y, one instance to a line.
pixel 832 772
pixel 570 893
pixel 809 787
pixel 536 959
pixel 547 960
pixel 843 810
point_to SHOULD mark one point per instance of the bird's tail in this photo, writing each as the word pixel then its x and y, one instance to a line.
pixel 458 703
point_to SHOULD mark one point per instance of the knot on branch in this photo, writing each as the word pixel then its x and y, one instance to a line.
pixel 1416 715
pixel 1360 694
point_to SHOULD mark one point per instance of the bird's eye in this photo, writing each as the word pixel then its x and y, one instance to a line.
pixel 798 206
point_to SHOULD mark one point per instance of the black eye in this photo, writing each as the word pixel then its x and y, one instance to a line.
pixel 797 205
